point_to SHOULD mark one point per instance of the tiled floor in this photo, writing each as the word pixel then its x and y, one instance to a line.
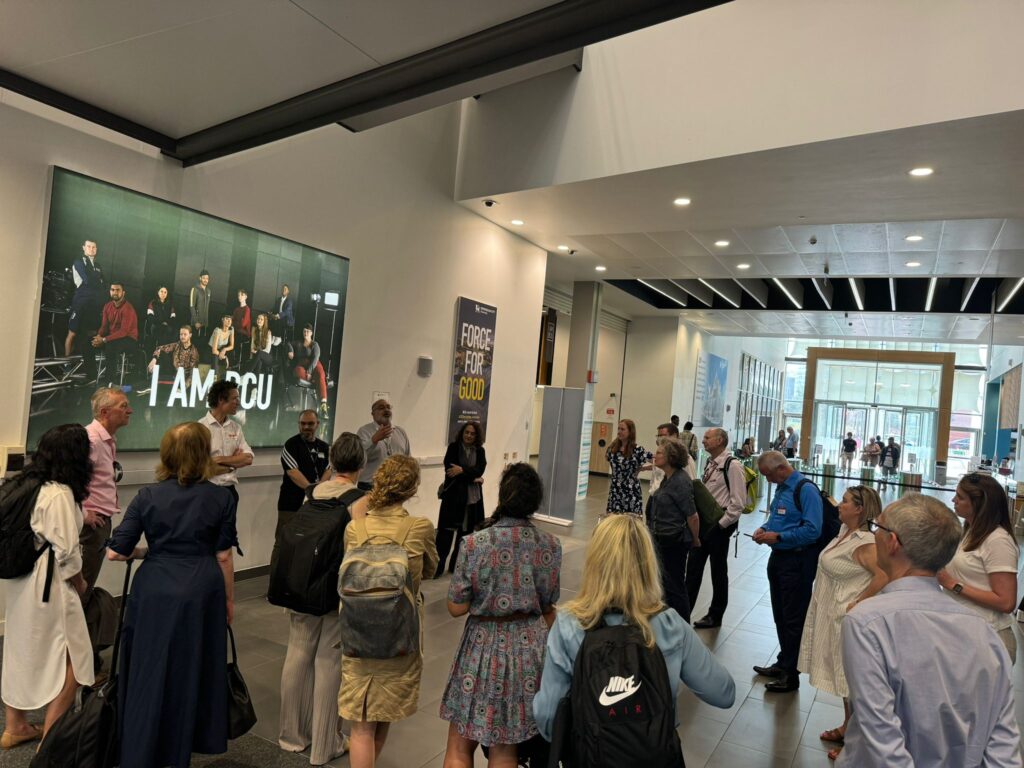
pixel 759 730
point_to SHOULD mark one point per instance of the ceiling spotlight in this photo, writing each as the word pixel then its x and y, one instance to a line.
pixel 913 238
pixel 600 268
pixel 563 247
pixel 517 222
pixel 682 202
pixel 742 266
pixel 722 243
pixel 921 171
pixel 912 264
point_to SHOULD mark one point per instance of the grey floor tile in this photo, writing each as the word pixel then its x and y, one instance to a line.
pixel 773 727
pixel 728 755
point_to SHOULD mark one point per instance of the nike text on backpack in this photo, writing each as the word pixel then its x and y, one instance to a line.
pixel 749 480
pixel 18 553
pixel 379 619
pixel 620 704
pixel 308 553
pixel 709 510
pixel 830 522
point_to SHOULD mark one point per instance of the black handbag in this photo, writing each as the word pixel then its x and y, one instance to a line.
pixel 241 715
pixel 86 735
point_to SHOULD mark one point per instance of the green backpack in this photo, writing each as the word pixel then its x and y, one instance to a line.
pixel 707 508
pixel 750 480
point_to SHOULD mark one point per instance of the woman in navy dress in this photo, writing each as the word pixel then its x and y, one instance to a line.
pixel 626 459
pixel 173 689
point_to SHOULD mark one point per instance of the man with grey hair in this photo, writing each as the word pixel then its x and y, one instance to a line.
pixel 724 479
pixel 381 439
pixel 792 530
pixel 111 411
pixel 930 680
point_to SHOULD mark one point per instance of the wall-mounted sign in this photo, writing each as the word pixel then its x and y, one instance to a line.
pixel 475 324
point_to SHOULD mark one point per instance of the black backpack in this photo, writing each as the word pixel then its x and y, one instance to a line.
pixel 307 556
pixel 18 553
pixel 621 703
pixel 830 522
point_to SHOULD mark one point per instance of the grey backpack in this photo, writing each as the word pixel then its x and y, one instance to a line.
pixel 378 612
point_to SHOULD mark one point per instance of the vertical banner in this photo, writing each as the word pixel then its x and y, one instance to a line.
pixel 586 439
pixel 473 359
pixel 709 390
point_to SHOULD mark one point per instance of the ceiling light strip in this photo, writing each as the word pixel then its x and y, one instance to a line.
pixel 931 293
pixel 786 291
pixel 856 293
pixel 717 292
pixel 969 293
pixel 1010 295
pixel 658 290
pixel 892 293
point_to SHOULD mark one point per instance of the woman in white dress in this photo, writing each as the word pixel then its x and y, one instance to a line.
pixel 983 573
pixel 47 653
pixel 848 572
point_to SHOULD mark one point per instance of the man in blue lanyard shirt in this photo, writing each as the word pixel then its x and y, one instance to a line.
pixel 791 532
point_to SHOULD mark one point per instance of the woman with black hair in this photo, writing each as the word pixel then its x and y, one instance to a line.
pixel 161 320
pixel 462 501
pixel 506 579
pixel 46 644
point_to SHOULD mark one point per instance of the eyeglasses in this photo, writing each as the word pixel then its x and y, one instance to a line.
pixel 874 525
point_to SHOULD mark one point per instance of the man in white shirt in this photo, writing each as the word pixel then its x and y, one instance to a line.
pixel 724 478
pixel 665 432
pixel 381 439
pixel 227 442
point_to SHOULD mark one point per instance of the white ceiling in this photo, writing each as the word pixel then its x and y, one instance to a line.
pixel 178 66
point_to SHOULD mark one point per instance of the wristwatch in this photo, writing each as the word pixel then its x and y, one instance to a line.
pixel 958 588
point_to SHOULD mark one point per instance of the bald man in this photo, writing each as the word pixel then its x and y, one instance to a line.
pixel 381 439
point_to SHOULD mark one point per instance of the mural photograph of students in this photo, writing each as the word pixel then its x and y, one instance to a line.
pixel 261 345
pixel 90 295
pixel 241 319
pixel 161 318
pixel 222 343
pixel 308 366
pixel 284 314
pixel 118 333
pixel 199 304
pixel 181 354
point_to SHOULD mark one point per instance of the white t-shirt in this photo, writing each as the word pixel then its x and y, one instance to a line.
pixel 996 554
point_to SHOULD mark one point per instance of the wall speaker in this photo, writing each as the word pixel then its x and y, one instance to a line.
pixel 426 366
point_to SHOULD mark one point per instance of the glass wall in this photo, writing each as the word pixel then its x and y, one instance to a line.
pixel 760 394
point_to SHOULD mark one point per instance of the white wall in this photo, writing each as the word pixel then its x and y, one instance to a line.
pixel 648 381
pixel 383 198
pixel 611 351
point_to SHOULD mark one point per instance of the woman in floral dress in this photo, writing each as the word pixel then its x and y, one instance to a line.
pixel 626 459
pixel 506 579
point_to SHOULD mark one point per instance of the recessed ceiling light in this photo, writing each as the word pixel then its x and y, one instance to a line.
pixel 600 268
pixel 742 266
pixel 563 247
pixel 722 243
pixel 912 264
pixel 682 202
pixel 517 222
pixel 921 171
pixel 913 238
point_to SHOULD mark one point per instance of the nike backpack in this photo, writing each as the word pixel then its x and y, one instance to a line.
pixel 307 554
pixel 622 709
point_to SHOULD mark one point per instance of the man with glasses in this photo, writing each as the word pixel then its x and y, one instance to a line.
pixel 792 531
pixel 305 461
pixel 381 439
pixel 930 681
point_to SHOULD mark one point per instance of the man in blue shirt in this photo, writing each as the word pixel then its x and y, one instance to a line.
pixel 791 531
pixel 931 683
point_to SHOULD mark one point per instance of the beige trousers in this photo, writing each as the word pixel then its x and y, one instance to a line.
pixel 310 681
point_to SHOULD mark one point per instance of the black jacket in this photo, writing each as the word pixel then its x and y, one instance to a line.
pixel 453 502
pixel 669 507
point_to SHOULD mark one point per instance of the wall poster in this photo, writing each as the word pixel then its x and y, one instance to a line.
pixel 162 300
pixel 709 390
pixel 471 369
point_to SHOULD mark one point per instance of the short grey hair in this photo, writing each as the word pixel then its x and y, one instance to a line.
pixel 104 397
pixel 721 432
pixel 927 529
pixel 675 453
pixel 772 460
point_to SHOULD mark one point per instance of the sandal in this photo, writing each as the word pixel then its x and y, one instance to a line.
pixel 834 753
pixel 9 740
pixel 837 735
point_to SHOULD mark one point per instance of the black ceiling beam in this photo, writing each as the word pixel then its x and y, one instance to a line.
pixel 78 108
pixel 547 32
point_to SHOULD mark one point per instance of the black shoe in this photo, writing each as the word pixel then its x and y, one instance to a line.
pixel 708 622
pixel 784 684
pixel 773 671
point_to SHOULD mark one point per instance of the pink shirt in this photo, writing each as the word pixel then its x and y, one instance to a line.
pixel 102 496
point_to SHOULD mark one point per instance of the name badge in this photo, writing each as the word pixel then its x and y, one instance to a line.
pixel 780 511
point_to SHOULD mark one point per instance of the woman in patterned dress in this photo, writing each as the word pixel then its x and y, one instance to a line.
pixel 626 459
pixel 506 579
pixel 848 572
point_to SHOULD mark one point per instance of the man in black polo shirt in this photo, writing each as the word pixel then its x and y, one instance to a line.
pixel 305 460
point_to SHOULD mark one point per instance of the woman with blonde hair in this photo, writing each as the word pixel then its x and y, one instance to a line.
pixel 626 459
pixel 621 585
pixel 848 572
pixel 173 698
pixel 377 692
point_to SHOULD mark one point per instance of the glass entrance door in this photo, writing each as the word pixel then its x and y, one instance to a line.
pixel 919 434
pixel 829 419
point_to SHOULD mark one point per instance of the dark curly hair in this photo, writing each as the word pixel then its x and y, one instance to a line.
pixel 479 441
pixel 62 456
pixel 219 392
pixel 520 493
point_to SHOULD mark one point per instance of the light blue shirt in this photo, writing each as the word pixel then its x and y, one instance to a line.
pixel 930 683
pixel 798 527
pixel 686 657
